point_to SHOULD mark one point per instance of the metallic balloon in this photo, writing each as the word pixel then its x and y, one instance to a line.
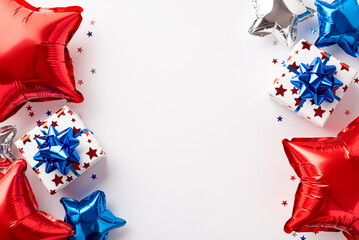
pixel 7 134
pixel 339 24
pixel 35 64
pixel 327 198
pixel 90 218
pixel 282 20
pixel 19 215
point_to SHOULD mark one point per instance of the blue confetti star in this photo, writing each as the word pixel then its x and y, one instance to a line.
pixel 94 176
pixel 48 113
pixel 89 34
pixel 303 238
pixel 280 119
pixel 90 218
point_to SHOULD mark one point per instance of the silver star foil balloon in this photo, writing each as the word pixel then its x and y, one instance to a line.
pixel 282 20
pixel 7 134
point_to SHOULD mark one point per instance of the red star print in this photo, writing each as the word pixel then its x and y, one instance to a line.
pixel 292 178
pixel 38 122
pixel 76 130
pixel 26 139
pixel 31 114
pixel 319 112
pixel 29 108
pixel 344 67
pixel 306 45
pixel 54 124
pixel 297 101
pixel 294 66
pixel 76 167
pixel 294 90
pixel 356 80
pixel 73 120
pixel 70 112
pixel 92 153
pixel 324 55
pixel 284 203
pixel 275 61
pixel 347 112
pixel 52 192
pixel 58 180
pixel 280 91
pixel 69 178
pixel 80 50
pixel 61 112
pixel 331 111
pixel 86 165
pixel 345 88
pixel 80 82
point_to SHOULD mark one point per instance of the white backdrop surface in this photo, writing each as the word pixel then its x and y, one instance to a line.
pixel 179 103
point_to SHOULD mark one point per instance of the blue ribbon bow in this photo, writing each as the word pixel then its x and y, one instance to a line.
pixel 316 81
pixel 58 150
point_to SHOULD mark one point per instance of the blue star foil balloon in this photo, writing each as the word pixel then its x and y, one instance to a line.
pixel 282 20
pixel 57 150
pixel 316 81
pixel 339 24
pixel 90 218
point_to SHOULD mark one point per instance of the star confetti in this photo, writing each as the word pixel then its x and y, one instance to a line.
pixel 89 34
pixel 280 119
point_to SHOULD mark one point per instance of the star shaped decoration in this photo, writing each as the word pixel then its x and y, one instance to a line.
pixel 347 112
pixel 274 61
pixel 284 203
pixel 92 22
pixel 280 119
pixel 318 112
pixel 93 176
pixel 356 80
pixel 31 114
pixel 328 195
pixel 292 178
pixel 90 218
pixel 92 153
pixel 20 217
pixel 48 113
pixel 89 34
pixel 282 20
pixel 80 50
pixel 34 60
pixel 280 90
pixel 93 71
pixel 29 108
pixel 80 82
pixel 339 25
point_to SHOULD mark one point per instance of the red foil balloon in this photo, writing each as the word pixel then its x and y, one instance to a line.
pixel 327 198
pixel 19 217
pixel 35 64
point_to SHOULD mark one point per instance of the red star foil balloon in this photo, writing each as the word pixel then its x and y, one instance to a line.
pixel 327 198
pixel 35 64
pixel 19 217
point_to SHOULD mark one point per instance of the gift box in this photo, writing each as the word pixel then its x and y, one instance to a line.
pixel 312 83
pixel 60 149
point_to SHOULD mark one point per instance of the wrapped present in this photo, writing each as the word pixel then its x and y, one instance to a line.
pixel 312 83
pixel 60 149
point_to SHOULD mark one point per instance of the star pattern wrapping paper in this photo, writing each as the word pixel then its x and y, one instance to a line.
pixel 286 94
pixel 89 149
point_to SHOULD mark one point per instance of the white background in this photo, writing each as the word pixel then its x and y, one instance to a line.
pixel 179 103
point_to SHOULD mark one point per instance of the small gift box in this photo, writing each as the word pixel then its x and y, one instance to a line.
pixel 312 83
pixel 60 149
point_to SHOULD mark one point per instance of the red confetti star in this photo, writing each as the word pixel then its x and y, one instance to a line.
pixel 80 50
pixel 306 45
pixel 86 165
pixel 58 180
pixel 80 82
pixel 292 178
pixel 356 80
pixel 31 114
pixel 280 91
pixel 294 66
pixel 26 139
pixel 347 112
pixel 319 112
pixel 92 22
pixel 294 90
pixel 92 153
pixel 73 120
pixel 29 108
pixel 275 61
pixel 89 141
pixel 344 67
pixel 284 203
